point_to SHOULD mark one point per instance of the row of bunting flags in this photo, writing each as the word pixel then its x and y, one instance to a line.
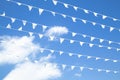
pixel 74 19
pixel 61 40
pixel 44 27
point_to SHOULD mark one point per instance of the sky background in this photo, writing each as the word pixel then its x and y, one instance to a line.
pixel 108 8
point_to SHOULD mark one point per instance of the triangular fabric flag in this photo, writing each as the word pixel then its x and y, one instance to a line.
pixel 24 22
pixel 111 29
pixel 53 13
pixel 79 55
pixel 109 42
pixel 92 38
pixel 74 34
pixel 115 60
pixel 44 27
pixel 30 7
pixel 109 47
pixel 88 57
pixel 63 66
pixel 41 50
pixel 81 43
pixel 106 59
pixel 93 23
pixel 103 26
pixel 114 19
pixel 54 2
pixel 86 11
pixel 61 52
pixel 8 26
pixel 99 70
pixel 3 14
pixel 100 46
pixel 84 21
pixel 19 4
pixel 90 68
pixel 97 58
pixel 30 33
pixel 101 40
pixel 75 8
pixel 70 54
pixel 40 11
pixel 13 20
pixel 72 41
pixel 64 16
pixel 61 40
pixel 95 14
pixel 118 49
pixel 84 36
pixel 73 19
pixel 81 68
pixel 40 36
pixel 20 29
pixel 52 51
pixel 91 45
pixel 115 72
pixel 103 16
pixel 34 25
pixel 72 67
pixel 107 71
pixel 65 5
pixel 51 38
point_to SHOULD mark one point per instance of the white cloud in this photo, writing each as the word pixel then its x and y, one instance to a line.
pixel 15 49
pixel 56 31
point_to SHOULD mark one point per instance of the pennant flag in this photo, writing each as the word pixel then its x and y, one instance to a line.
pixel 61 52
pixel 81 43
pixel 19 4
pixel 115 72
pixel 44 27
pixel 30 33
pixel 103 16
pixel 51 38
pixel 72 67
pixel 100 46
pixel 92 38
pixel 52 51
pixel 2 14
pixel 79 55
pixel 65 5
pixel 13 20
pixel 115 60
pixel 107 71
pixel 106 59
pixel 63 66
pixel 30 7
pixel 109 48
pixel 24 22
pixel 101 40
pixel 72 41
pixel 93 23
pixel 53 13
pixel 97 58
pixel 114 19
pixel 81 68
pixel 8 26
pixel 61 40
pixel 41 50
pixel 99 70
pixel 95 14
pixel 91 45
pixel 111 29
pixel 118 49
pixel 63 15
pixel 74 34
pixel 70 54
pixel 73 19
pixel 54 2
pixel 88 57
pixel 90 68
pixel 84 21
pixel 40 36
pixel 34 25
pixel 20 29
pixel 103 26
pixel 109 42
pixel 75 8
pixel 84 36
pixel 86 11
pixel 40 11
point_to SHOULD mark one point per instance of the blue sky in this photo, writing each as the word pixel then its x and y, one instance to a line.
pixel 70 40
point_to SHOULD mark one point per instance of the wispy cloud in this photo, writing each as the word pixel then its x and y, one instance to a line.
pixel 15 49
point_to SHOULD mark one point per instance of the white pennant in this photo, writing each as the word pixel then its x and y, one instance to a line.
pixel 106 59
pixel 63 66
pixel 72 67
pixel 73 19
pixel 103 16
pixel 88 57
pixel 41 50
pixel 95 14
pixel 81 43
pixel 75 8
pixel 20 29
pixel 63 15
pixel 2 14
pixel 70 54
pixel 53 13
pixel 34 25
pixel 101 40
pixel 90 68
pixel 8 26
pixel 81 68
pixel 30 7
pixel 115 60
pixel 61 52
pixel 40 36
pixel 109 48
pixel 93 23
pixel 100 46
pixel 111 29
pixel 54 2
pixel 72 41
pixel 97 58
pixel 107 71
pixel 61 40
pixel 13 20
pixel 24 22
pixel 99 70
pixel 91 45
pixel 109 42
pixel 65 5
pixel 40 11
pixel 84 21
pixel 86 11
pixel 103 26
pixel 92 38
pixel 19 4
pixel 114 19
pixel 51 38
pixel 52 51
pixel 84 36
pixel 30 33
pixel 44 27
pixel 74 34
pixel 79 55
pixel 118 49
pixel 115 72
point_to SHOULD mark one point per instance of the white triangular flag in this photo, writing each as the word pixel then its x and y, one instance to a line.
pixel 70 54
pixel 65 5
pixel 30 7
pixel 99 70
pixel 118 49
pixel 61 52
pixel 51 38
pixel 91 45
pixel 109 42
pixel 20 29
pixel 84 36
pixel 63 66
pixel 44 27
pixel 79 55
pixel 103 26
pixel 95 14
pixel 42 50
pixel 61 40
pixel 13 20
pixel 81 43
pixel 3 14
pixel 40 11
pixel 73 19
pixel 72 67
pixel 107 71
pixel 30 33
pixel 109 47
pixel 115 72
pixel 93 23
pixel 90 68
pixel 8 26
pixel 97 58
pixel 40 36
pixel 84 21
pixel 101 40
pixel 19 4
pixel 115 60
pixel 100 46
pixel 88 57
pixel 86 11
pixel 75 8
pixel 92 38
pixel 64 16
pixel 103 16
pixel 72 41
pixel 24 22
pixel 52 51
pixel 114 19
pixel 34 25
pixel 53 13
pixel 111 29
pixel 106 59
pixel 81 68
pixel 74 34
pixel 54 2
